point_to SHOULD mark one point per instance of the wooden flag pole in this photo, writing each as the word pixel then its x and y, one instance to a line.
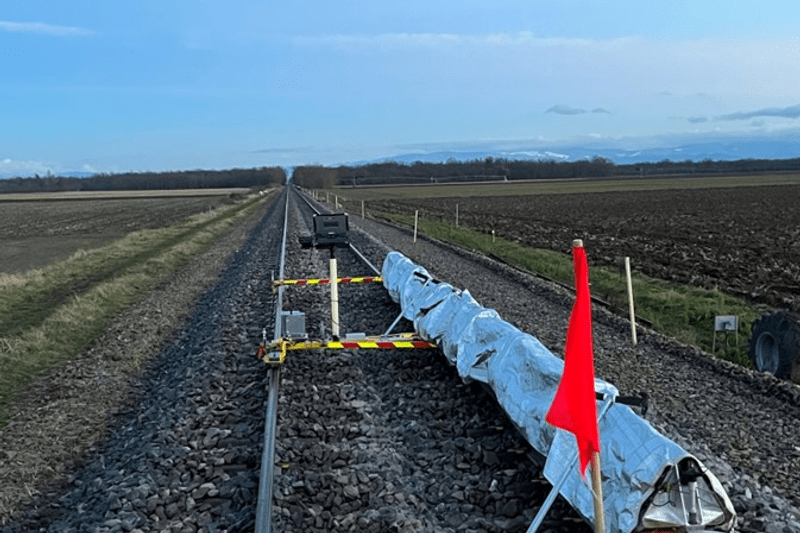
pixel 597 489
pixel 574 408
pixel 548 503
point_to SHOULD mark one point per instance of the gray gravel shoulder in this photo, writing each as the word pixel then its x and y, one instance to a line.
pixel 62 417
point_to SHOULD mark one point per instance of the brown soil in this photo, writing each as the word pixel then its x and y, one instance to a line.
pixel 742 240
pixel 36 233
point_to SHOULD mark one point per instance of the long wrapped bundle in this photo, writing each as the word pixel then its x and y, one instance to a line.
pixel 648 480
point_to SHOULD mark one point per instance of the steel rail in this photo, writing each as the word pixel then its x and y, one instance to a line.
pixel 364 259
pixel 267 475
pixel 308 203
pixel 264 508
pixel 353 248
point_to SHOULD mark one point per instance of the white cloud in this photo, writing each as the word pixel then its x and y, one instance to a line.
pixel 435 40
pixel 758 69
pixel 14 167
pixel 43 29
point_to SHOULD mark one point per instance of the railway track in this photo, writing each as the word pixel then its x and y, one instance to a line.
pixel 183 454
pixel 390 440
pixel 368 440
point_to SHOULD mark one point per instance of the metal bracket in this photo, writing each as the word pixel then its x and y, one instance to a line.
pixel 396 320
pixel 537 521
pixel 275 353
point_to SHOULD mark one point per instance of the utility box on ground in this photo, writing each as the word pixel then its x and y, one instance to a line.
pixel 293 325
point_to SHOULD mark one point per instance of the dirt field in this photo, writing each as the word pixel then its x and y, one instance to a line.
pixel 34 233
pixel 744 240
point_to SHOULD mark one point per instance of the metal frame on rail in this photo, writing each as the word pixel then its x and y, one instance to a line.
pixel 274 353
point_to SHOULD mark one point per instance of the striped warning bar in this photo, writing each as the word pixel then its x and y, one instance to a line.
pixel 355 344
pixel 384 345
pixel 325 281
pixel 275 353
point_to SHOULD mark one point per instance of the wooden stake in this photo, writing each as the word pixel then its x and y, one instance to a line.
pixel 416 219
pixel 456 215
pixel 597 488
pixel 630 299
pixel 362 209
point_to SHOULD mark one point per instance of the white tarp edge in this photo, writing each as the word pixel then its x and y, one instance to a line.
pixel 524 375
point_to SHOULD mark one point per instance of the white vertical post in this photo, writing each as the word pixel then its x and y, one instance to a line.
pixel 416 220
pixel 336 201
pixel 630 299
pixel 334 296
pixel 492 235
pixel 362 209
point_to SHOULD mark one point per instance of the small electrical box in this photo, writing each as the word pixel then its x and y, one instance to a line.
pixel 331 230
pixel 293 325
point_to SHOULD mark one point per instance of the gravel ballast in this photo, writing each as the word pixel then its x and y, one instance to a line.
pixel 744 425
pixel 391 440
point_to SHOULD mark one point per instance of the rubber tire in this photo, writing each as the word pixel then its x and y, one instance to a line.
pixel 774 344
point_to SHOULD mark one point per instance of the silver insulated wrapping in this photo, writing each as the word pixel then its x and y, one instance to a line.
pixel 649 482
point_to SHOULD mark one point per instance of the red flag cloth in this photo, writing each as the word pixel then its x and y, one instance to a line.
pixel 574 407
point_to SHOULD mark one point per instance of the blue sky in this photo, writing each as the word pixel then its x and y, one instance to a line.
pixel 139 85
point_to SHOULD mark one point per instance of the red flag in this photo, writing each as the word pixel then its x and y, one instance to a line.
pixel 574 407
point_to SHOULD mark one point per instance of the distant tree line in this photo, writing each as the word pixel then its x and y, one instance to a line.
pixel 319 177
pixel 141 181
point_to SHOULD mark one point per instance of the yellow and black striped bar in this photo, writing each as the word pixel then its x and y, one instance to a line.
pixel 277 350
pixel 325 281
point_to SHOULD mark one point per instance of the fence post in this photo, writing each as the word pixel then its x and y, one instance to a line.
pixel 630 299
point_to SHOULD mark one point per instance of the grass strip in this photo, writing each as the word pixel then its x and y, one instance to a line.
pixel 683 312
pixel 65 330
pixel 27 299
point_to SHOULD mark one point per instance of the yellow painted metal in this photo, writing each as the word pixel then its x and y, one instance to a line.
pixel 325 281
pixel 282 346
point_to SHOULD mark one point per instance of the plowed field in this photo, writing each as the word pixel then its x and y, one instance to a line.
pixel 743 240
pixel 36 232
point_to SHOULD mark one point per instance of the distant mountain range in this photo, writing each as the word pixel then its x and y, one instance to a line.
pixel 722 148
pixel 718 147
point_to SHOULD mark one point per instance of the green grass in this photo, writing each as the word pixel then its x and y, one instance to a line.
pixel 27 300
pixel 52 314
pixel 683 312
